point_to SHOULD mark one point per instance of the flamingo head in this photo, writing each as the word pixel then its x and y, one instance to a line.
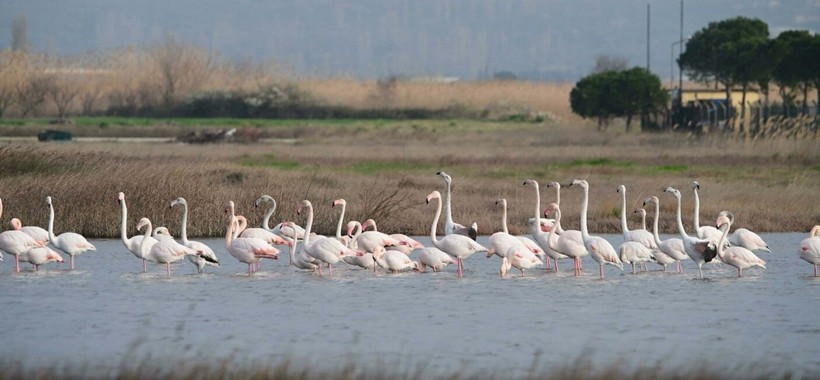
pixel 673 191
pixel 263 198
pixel 621 189
pixel 351 226
pixel 416 266
pixel 162 230
pixel 551 208
pixel 121 197
pixel 435 194
pixel 302 205
pixel 530 182
pixel 178 201
pixel 554 184
pixel 640 211
pixel 339 202
pixel 580 182
pixel 15 224
pixel 445 176
pixel 724 217
pixel 652 199
pixel 48 200
pixel 53 256
pixel 142 223
pixel 369 223
pixel 230 207
pixel 501 201
pixel 695 185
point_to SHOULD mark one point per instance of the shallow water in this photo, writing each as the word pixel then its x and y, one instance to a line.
pixel 107 312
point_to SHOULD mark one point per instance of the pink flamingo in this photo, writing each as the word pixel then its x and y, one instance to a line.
pixel 246 250
pixel 564 244
pixel 600 249
pixel 41 255
pixel 809 248
pixel 458 246
pixel 69 242
pixel 738 257
pixel 37 233
pixel 434 258
pixel 16 243
pixel 163 251
pixel 672 247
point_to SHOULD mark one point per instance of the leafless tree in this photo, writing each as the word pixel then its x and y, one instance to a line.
pixel 32 93
pixel 182 68
pixel 12 66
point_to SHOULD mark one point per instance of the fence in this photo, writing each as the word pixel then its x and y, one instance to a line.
pixel 758 121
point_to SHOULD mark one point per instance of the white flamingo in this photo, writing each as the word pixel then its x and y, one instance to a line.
pixel 641 235
pixel 434 258
pixel 15 243
pixel 699 250
pixel 738 257
pixel 745 238
pixel 207 255
pixel 539 230
pixel 404 244
pixel 571 234
pixel 809 248
pixel 704 232
pixel 458 246
pixel 564 244
pixel 672 247
pixel 633 252
pixel 328 251
pixel 163 251
pixel 300 260
pixel 366 260
pixel 528 243
pixel 292 231
pixel 394 261
pixel 600 249
pixel 369 240
pixel 133 243
pixel 520 259
pixel 246 250
pixel 500 242
pixel 69 242
pixel 451 227
pixel 40 255
pixel 39 234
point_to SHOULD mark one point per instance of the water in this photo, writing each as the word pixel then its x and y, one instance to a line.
pixel 108 312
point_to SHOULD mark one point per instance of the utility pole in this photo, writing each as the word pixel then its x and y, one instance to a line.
pixel 647 36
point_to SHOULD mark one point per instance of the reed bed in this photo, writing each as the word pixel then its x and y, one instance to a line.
pixel 385 169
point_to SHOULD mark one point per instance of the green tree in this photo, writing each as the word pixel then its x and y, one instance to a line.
pixel 797 68
pixel 610 94
pixel 722 52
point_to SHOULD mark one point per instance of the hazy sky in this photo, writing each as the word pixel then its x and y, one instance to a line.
pixel 551 39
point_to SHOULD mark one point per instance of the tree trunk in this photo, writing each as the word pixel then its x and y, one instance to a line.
pixel 628 122
pixel 743 107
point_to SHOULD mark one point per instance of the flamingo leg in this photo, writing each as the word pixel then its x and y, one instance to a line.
pixel 601 271
pixel 815 270
pixel 36 268
pixel 458 264
pixel 168 268
pixel 739 272
pixel 17 264
pixel 330 269
pixel 633 268
pixel 72 262
pixel 144 266
pixel 700 270
pixel 556 265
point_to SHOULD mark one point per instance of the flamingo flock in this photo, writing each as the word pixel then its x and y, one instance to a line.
pixel 365 247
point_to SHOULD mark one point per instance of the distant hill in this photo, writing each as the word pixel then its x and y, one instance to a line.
pixel 537 39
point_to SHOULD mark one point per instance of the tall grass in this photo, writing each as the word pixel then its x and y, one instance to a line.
pixel 768 186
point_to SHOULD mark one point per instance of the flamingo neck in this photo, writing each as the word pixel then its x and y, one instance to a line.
pixel 504 218
pixel 268 215
pixel 145 246
pixel 584 206
pixel 558 195
pixel 341 220
pixel 655 224
pixel 681 230
pixel 435 224
pixel 448 216
pixel 722 240
pixel 51 224
pixel 371 222
pixel 537 201
pixel 697 210
pixel 357 227
pixel 124 225
pixel 624 227
pixel 308 226
pixel 815 231
pixel 551 236
pixel 184 224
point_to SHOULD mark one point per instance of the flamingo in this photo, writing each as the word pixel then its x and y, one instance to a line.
pixel 406 244
pixel 704 232
pixel 538 230
pixel 39 234
pixel 572 234
pixel 451 227
pixel 369 240
pixel 292 232
pixel 133 243
pixel 161 233
pixel 738 257
pixel 699 250
pixel 69 242
pixel 163 251
pixel 641 235
pixel 326 250
pixel 366 260
pixel 207 255
pixel 633 252
pixel 600 249
pixel 15 243
pixel 809 248
pixel 528 243
pixel 40 255
pixel 300 260
pixel 501 241
pixel 434 258
pixel 246 250
pixel 672 247
pixel 394 261
pixel 565 245
pixel 746 239
pixel 263 234
pixel 520 259
pixel 458 246
pixel 642 213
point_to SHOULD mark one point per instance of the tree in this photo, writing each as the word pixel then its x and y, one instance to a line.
pixel 623 93
pixel 723 51
pixel 182 68
pixel 12 71
pixel 19 34
pixel 798 67
pixel 32 93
